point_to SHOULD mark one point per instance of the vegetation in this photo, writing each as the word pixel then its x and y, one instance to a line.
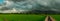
pixel 56 17
pixel 22 17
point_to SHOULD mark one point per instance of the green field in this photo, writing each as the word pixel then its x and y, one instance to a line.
pixel 56 17
pixel 22 17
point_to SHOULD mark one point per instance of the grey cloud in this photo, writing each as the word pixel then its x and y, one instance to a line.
pixel 32 5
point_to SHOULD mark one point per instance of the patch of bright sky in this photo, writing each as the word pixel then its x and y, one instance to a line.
pixel 1 1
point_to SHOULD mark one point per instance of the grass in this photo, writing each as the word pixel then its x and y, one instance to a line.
pixel 22 17
pixel 56 17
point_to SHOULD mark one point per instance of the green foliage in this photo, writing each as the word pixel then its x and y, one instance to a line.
pixel 23 17
pixel 56 17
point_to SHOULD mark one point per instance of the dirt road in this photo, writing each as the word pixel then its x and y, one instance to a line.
pixel 49 18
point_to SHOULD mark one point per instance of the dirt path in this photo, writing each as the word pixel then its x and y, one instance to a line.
pixel 49 18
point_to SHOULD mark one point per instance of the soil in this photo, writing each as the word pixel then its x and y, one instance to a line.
pixel 49 18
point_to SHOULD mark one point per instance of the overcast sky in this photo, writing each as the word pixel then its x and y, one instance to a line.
pixel 28 5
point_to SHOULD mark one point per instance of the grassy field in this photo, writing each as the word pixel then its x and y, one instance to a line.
pixel 22 17
pixel 56 17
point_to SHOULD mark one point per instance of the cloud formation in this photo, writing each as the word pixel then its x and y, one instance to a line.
pixel 14 6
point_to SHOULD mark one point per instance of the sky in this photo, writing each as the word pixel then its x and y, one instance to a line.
pixel 27 5
pixel 1 1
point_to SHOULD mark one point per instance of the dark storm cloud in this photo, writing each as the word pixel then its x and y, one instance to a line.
pixel 25 5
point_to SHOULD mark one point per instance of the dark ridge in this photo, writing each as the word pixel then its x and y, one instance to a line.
pixel 38 12
pixel 44 12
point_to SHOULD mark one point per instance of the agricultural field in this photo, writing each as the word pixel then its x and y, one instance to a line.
pixel 56 17
pixel 22 17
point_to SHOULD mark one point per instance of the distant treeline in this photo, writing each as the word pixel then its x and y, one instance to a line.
pixel 37 12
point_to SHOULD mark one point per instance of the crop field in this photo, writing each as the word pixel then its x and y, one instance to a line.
pixel 22 17
pixel 56 17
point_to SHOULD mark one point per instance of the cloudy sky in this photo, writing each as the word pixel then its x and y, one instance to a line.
pixel 14 6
